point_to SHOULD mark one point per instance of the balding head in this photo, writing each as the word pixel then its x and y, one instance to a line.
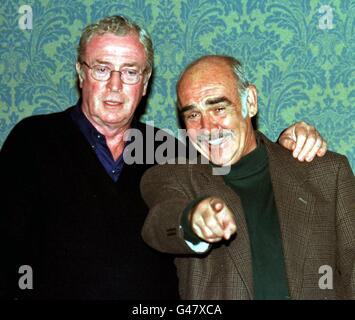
pixel 211 64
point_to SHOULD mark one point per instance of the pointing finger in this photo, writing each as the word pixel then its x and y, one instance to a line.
pixel 216 204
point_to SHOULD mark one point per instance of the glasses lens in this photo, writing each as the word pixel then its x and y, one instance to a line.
pixel 130 76
pixel 101 72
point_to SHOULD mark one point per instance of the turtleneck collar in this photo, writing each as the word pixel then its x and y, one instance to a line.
pixel 251 164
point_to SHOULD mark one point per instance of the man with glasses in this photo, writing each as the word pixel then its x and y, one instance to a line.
pixel 72 210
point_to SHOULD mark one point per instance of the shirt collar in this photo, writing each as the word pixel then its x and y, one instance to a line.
pixel 85 126
pixel 91 134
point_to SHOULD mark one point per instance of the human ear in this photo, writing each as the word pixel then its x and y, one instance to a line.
pixel 79 71
pixel 252 101
pixel 146 81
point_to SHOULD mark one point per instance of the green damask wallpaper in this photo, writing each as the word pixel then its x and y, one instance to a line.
pixel 300 55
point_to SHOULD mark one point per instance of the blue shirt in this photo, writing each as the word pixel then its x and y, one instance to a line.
pixel 98 143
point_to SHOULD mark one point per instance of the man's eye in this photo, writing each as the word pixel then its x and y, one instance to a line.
pixel 192 116
pixel 130 72
pixel 220 109
pixel 102 69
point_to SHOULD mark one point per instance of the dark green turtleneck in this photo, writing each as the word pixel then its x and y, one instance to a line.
pixel 250 179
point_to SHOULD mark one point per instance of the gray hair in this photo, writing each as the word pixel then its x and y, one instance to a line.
pixel 119 26
pixel 239 73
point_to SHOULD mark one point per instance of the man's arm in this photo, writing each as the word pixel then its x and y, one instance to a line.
pixel 304 140
pixel 162 190
pixel 346 227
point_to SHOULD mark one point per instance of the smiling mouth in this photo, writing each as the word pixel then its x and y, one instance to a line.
pixel 216 141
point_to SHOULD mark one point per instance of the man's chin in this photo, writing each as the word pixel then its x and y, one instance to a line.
pixel 218 160
pixel 225 158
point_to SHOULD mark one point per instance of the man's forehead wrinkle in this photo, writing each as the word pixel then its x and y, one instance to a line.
pixel 115 65
pixel 203 97
pixel 208 92
pixel 217 100
pixel 187 108
pixel 205 103
pixel 109 46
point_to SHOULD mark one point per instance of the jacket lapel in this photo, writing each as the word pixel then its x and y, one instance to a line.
pixel 239 247
pixel 295 207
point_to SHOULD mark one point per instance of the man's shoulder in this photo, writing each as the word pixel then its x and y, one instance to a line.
pixel 40 121
pixel 181 170
pixel 326 166
pixel 37 128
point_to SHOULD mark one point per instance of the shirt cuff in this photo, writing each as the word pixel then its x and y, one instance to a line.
pixel 192 240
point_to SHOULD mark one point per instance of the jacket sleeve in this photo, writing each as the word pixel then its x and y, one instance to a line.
pixel 346 226
pixel 167 198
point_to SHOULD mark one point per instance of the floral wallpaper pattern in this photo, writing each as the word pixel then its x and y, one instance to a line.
pixel 300 54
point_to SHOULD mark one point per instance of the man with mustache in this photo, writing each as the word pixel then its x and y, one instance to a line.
pixel 270 227
pixel 72 210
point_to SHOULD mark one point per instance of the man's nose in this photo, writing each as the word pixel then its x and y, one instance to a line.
pixel 115 83
pixel 209 123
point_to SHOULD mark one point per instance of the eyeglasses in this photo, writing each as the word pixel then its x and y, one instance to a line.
pixel 103 73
